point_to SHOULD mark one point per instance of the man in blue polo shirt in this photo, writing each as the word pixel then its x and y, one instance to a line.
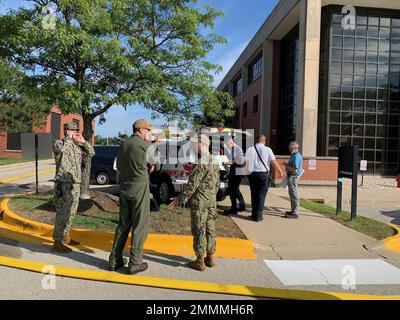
pixel 294 170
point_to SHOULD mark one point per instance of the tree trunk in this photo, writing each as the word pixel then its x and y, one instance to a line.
pixel 86 161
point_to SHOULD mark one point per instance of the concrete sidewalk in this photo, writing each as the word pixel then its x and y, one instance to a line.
pixel 373 200
pixel 311 241
pixel 312 236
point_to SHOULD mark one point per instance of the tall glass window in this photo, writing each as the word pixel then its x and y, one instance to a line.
pixel 237 87
pixel 255 70
pixel 288 99
pixel 363 84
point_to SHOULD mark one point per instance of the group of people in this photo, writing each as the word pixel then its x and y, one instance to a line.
pixel 256 165
pixel 199 193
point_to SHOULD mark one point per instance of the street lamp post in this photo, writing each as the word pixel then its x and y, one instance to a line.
pixel 107 134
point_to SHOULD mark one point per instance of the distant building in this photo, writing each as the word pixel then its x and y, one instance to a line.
pixel 10 143
pixel 326 79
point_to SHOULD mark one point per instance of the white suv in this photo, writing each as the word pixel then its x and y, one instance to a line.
pixel 175 170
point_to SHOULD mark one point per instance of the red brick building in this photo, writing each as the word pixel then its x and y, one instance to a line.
pixel 307 76
pixel 10 143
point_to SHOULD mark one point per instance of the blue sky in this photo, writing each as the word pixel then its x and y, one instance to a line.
pixel 241 21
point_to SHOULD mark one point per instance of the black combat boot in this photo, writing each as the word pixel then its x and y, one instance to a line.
pixel 118 265
pixel 231 211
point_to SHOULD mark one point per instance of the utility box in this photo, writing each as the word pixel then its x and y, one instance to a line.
pixel 347 168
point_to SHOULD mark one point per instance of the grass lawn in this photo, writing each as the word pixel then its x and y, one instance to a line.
pixel 40 208
pixel 4 161
pixel 370 227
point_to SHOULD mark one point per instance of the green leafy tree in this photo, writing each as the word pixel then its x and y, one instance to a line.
pixel 99 140
pixel 210 118
pixel 94 54
pixel 22 103
pixel 121 138
pixel 112 141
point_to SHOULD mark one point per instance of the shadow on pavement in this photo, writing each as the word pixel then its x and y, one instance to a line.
pixel 77 256
pixel 173 261
pixel 268 211
pixel 393 214
pixel 13 189
pixel 12 248
pixel 39 244
pixel 9 248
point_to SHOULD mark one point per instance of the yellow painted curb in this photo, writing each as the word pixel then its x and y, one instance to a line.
pixel 32 228
pixel 393 243
pixel 187 285
pixel 26 176
pixel 28 231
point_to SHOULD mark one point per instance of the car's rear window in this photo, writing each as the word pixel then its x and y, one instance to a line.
pixel 106 151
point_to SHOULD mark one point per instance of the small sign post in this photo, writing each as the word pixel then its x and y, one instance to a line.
pixel 36 146
pixel 37 162
pixel 363 167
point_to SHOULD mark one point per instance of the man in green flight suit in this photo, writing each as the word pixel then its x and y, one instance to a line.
pixel 68 154
pixel 134 199
pixel 201 193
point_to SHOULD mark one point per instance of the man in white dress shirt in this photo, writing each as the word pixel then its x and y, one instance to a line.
pixel 236 161
pixel 258 161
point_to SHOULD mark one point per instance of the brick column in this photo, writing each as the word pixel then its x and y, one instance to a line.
pixel 309 46
pixel 267 80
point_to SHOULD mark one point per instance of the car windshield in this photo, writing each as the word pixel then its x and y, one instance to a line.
pixel 172 152
pixel 106 151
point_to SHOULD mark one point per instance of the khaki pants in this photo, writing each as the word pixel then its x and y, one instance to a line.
pixel 134 215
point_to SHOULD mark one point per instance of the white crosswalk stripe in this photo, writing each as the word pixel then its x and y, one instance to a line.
pixel 334 272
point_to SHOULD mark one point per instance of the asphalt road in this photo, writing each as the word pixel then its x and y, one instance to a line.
pixel 13 187
pixel 22 184
pixel 13 282
pixel 27 285
pixel 14 286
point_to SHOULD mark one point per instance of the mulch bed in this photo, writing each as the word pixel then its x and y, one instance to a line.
pixel 102 203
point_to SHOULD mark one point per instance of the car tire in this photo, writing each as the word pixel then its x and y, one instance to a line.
pixel 102 178
pixel 164 191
